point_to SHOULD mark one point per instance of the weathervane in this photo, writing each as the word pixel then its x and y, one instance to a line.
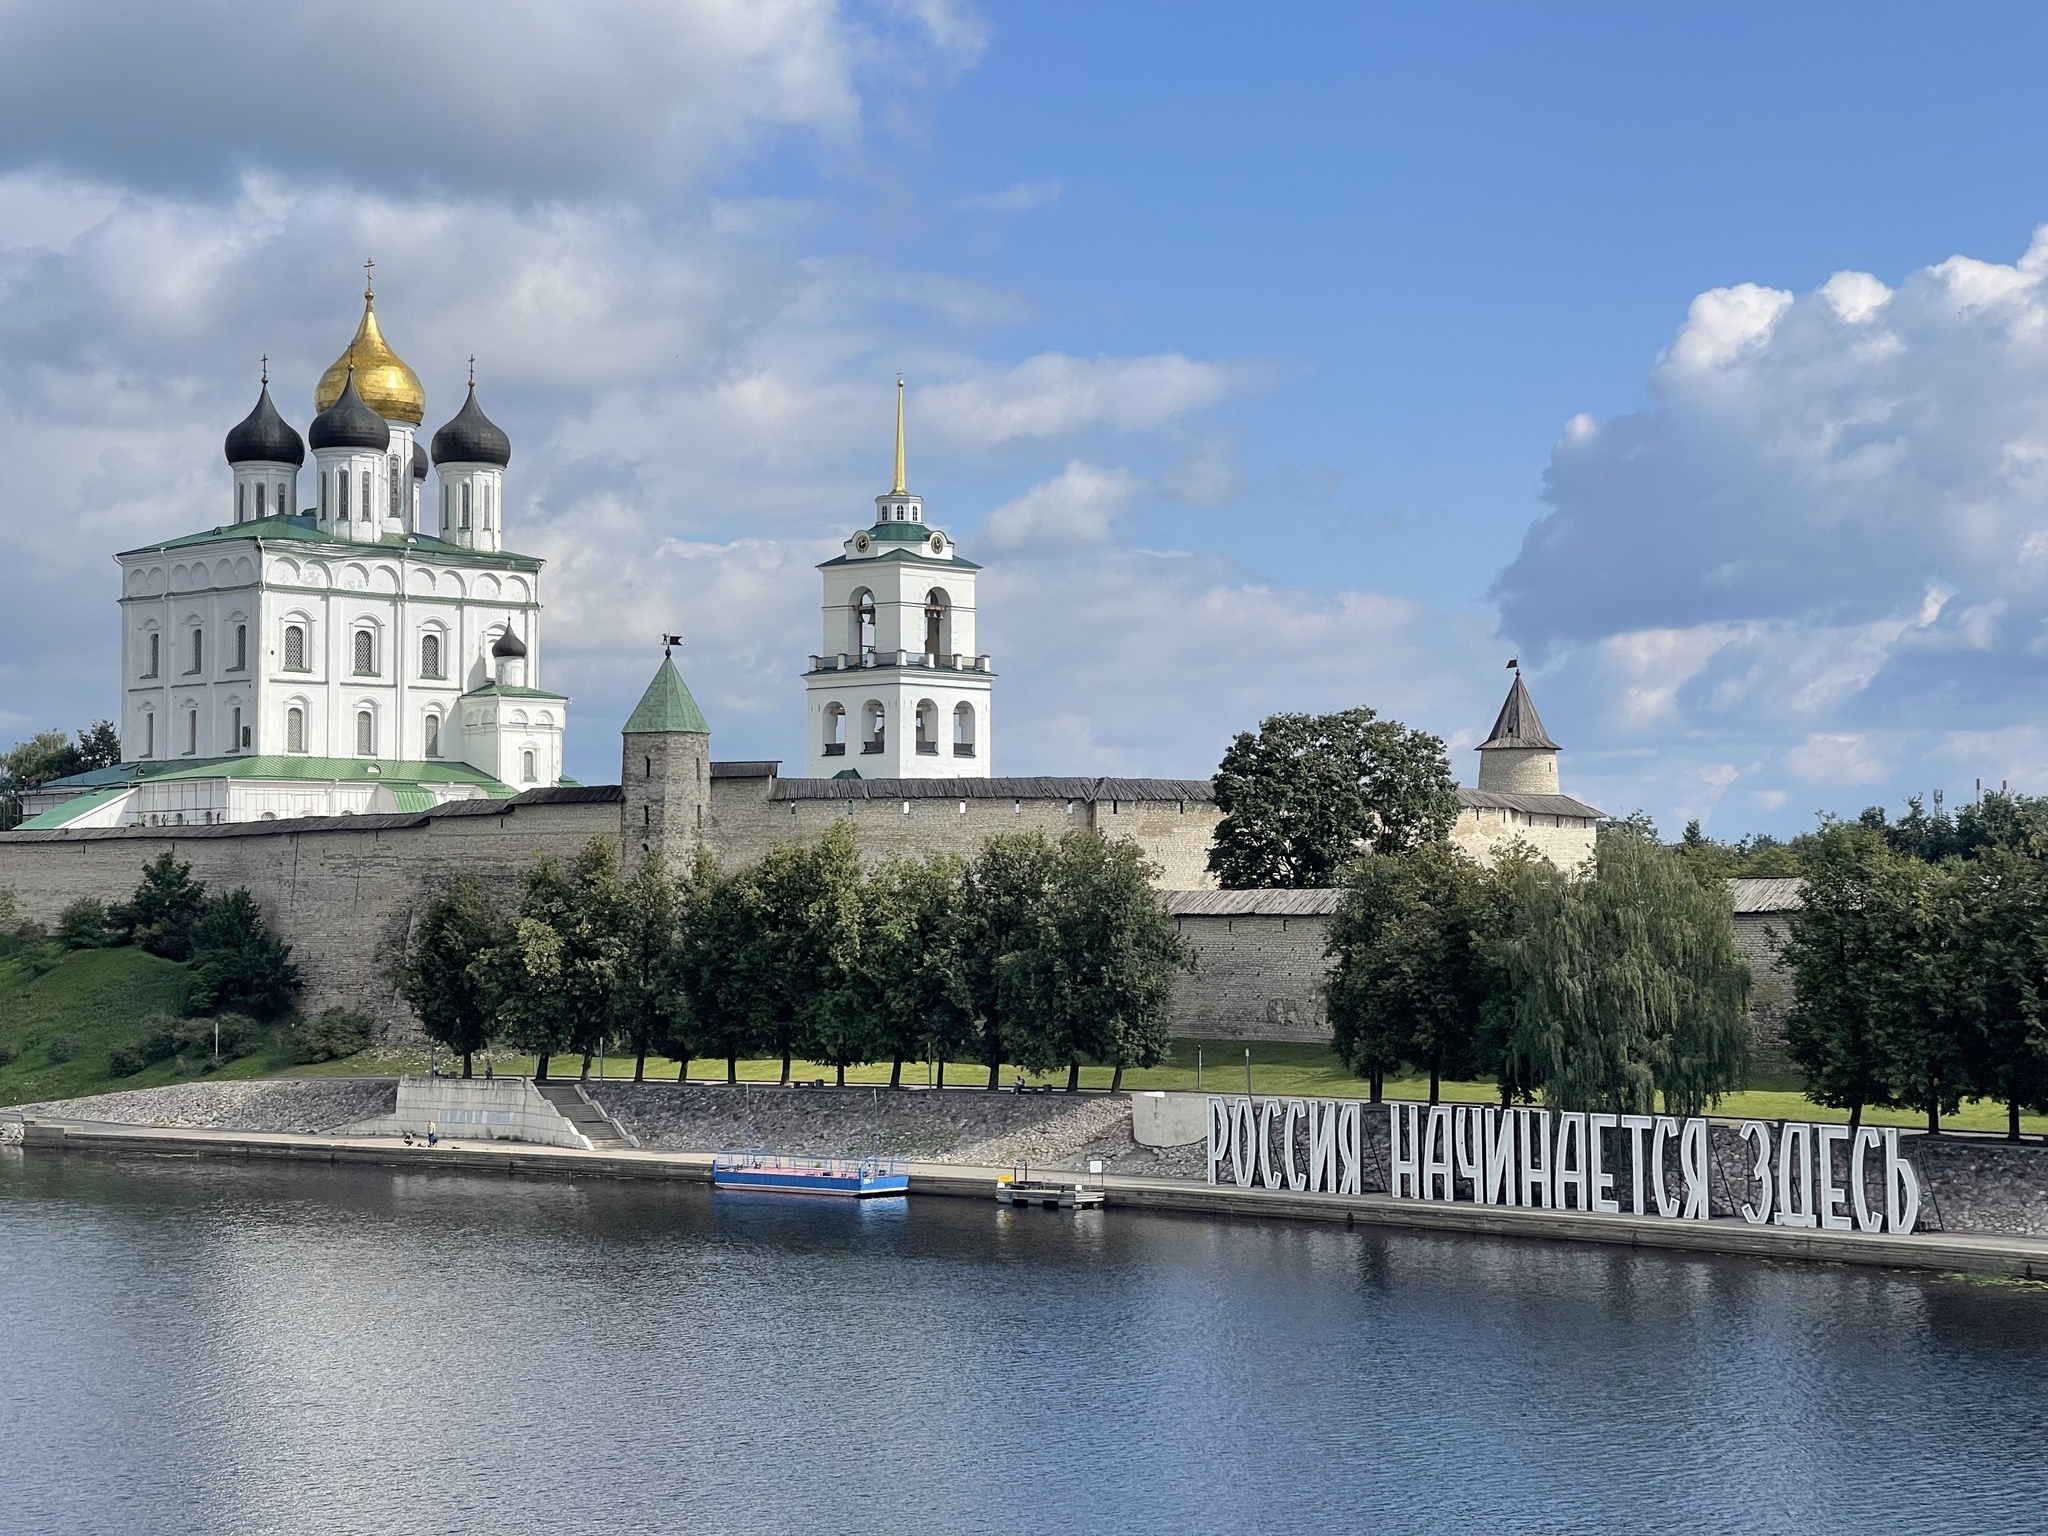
pixel 668 644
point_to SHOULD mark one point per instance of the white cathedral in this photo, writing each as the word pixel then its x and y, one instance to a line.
pixel 370 648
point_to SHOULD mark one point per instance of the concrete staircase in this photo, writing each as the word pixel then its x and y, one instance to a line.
pixel 599 1129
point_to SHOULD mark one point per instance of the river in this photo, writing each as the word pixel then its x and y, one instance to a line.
pixel 215 1347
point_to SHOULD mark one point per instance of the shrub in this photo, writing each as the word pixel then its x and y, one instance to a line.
pixel 63 1048
pixel 237 1035
pixel 8 1052
pixel 165 907
pixel 237 962
pixel 159 1040
pixel 84 924
pixel 330 1036
pixel 126 1060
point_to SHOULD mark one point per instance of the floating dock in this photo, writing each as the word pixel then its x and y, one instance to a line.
pixel 785 1173
pixel 1064 1197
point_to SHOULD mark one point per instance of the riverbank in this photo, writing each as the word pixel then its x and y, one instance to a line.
pixel 2008 1257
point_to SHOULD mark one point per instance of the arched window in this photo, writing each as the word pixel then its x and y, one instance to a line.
pixel 241 648
pixel 366 653
pixel 927 728
pixel 235 730
pixel 465 503
pixel 295 730
pixel 444 506
pixel 191 732
pixel 430 655
pixel 433 735
pixel 490 505
pixel 874 726
pixel 295 647
pixel 241 501
pixel 149 735
pixel 864 623
pixel 938 624
pixel 365 503
pixel 963 730
pixel 260 489
pixel 397 484
pixel 366 734
pixel 526 766
pixel 835 730
pixel 341 495
pixel 156 654
pixel 198 650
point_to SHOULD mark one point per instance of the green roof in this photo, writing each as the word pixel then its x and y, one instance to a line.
pixel 301 530
pixel 63 815
pixel 504 691
pixel 353 770
pixel 667 706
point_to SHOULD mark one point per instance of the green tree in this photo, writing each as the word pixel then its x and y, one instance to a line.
pixel 714 965
pixel 909 980
pixel 553 979
pixel 438 973
pixel 1098 978
pixel 651 1012
pixel 1004 897
pixel 2004 902
pixel 83 924
pixel 1413 977
pixel 47 756
pixel 160 916
pixel 1309 792
pixel 1626 984
pixel 805 902
pixel 238 963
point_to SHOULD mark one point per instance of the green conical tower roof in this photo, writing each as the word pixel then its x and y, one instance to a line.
pixel 666 706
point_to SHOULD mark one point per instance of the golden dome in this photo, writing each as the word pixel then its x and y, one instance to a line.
pixel 387 385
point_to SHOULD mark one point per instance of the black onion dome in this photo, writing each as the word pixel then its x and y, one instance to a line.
pixel 264 437
pixel 349 423
pixel 508 644
pixel 472 438
pixel 419 460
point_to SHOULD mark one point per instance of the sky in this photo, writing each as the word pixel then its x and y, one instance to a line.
pixel 1267 358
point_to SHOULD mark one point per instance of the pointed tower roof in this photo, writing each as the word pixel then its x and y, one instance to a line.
pixel 899 489
pixel 388 386
pixel 1518 725
pixel 666 706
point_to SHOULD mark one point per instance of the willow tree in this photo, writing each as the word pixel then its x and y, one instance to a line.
pixel 1626 984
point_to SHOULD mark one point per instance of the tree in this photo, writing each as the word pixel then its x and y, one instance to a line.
pixel 552 979
pixel 1309 792
pixel 1097 980
pixel 438 973
pixel 1413 978
pixel 714 962
pixel 909 981
pixel 160 915
pixel 83 924
pixel 1003 899
pixel 649 1002
pixel 47 756
pixel 238 963
pixel 2005 909
pixel 805 902
pixel 1626 984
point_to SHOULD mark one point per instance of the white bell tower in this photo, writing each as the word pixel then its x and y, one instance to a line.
pixel 900 691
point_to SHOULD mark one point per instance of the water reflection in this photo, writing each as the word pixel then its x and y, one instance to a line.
pixel 215 1348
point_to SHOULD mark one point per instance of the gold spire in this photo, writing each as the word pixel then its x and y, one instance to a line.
pixel 387 385
pixel 899 487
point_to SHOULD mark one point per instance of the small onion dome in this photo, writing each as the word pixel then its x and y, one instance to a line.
pixel 348 423
pixel 508 644
pixel 419 460
pixel 472 438
pixel 264 437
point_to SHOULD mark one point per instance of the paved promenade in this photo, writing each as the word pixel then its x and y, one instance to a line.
pixel 2015 1257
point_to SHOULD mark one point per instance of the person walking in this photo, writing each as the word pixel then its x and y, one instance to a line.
pixel 433 1136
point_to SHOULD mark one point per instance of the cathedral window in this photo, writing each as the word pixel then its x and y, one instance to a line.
pixel 295 730
pixel 295 648
pixel 526 766
pixel 241 502
pixel 235 731
pixel 260 489
pixel 241 648
pixel 365 514
pixel 366 653
pixel 433 735
pixel 198 651
pixel 430 656
pixel 397 484
pixel 341 495
pixel 465 504
pixel 149 735
pixel 444 508
pixel 191 732
pixel 156 645
pixel 963 730
pixel 366 733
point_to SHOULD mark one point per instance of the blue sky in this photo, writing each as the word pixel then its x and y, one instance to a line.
pixel 1268 357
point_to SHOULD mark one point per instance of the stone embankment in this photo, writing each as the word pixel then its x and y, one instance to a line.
pixel 311 1105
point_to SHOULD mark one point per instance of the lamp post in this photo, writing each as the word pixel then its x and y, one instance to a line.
pixel 1198 1069
pixel 1247 1071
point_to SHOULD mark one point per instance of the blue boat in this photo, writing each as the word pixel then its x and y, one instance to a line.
pixel 786 1173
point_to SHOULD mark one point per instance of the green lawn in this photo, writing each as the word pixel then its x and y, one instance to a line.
pixel 98 998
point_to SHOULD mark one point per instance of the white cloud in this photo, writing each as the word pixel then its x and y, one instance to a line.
pixel 1021 197
pixel 1078 506
pixel 1838 759
pixel 1053 395
pixel 1723 324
